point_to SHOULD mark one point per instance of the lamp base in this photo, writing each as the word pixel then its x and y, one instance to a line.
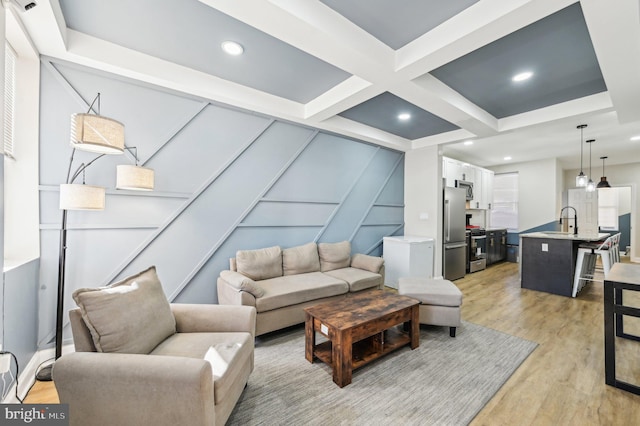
pixel 45 374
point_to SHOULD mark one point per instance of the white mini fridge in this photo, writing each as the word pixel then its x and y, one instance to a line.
pixel 407 256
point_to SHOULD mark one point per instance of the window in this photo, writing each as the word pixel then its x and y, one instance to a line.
pixel 504 211
pixel 608 209
pixel 9 99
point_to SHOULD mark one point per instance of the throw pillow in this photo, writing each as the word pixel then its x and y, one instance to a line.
pixel 130 316
pixel 334 255
pixel 300 259
pixel 260 264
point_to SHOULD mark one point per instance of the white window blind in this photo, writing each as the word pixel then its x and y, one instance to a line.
pixel 504 210
pixel 608 209
pixel 9 98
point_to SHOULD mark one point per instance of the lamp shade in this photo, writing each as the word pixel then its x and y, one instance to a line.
pixel 603 183
pixel 581 180
pixel 95 133
pixel 134 177
pixel 75 196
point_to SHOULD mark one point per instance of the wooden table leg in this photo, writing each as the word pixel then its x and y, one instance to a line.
pixel 415 327
pixel 342 358
pixel 309 337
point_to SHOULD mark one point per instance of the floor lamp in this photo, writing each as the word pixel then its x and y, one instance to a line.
pixel 103 136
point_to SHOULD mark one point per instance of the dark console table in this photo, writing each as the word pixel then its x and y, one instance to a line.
pixel 623 276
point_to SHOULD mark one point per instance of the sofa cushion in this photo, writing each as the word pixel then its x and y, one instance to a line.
pixel 129 316
pixel 242 283
pixel 300 259
pixel 368 263
pixel 227 352
pixel 358 279
pixel 293 289
pixel 260 264
pixel 334 255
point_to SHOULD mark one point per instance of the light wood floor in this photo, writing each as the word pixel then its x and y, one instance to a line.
pixel 562 381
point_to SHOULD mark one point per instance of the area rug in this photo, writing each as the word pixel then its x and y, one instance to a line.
pixel 445 381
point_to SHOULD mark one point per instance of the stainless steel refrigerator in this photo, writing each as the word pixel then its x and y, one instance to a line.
pixel 455 245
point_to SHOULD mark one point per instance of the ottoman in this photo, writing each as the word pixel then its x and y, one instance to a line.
pixel 440 301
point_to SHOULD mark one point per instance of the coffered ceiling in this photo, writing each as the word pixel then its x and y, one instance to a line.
pixel 352 67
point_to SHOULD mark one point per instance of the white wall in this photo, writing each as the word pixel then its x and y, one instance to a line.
pixel 21 213
pixel 540 186
pixel 423 198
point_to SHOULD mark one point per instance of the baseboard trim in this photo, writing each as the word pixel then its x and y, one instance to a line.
pixel 28 375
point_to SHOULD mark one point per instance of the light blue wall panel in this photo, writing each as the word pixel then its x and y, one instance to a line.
pixel 269 213
pixel 362 196
pixel 19 296
pixel 385 214
pixel 325 170
pixel 393 191
pixel 203 146
pixel 185 241
pixel 226 180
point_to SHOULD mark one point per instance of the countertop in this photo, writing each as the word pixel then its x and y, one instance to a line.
pixel 556 235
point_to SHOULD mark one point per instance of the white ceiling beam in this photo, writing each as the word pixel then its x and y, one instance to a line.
pixel 615 33
pixel 594 104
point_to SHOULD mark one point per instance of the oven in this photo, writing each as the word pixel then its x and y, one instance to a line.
pixel 478 250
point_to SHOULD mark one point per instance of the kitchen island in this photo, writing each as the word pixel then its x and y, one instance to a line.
pixel 548 260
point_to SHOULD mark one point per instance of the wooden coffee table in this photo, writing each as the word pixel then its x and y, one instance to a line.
pixel 360 328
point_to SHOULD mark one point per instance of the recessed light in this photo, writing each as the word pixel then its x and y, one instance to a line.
pixel 232 48
pixel 507 158
pixel 635 138
pixel 522 76
pixel 468 143
pixel 404 116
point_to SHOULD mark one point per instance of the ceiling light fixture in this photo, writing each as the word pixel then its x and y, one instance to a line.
pixel 581 179
pixel 522 76
pixel 590 185
pixel 635 138
pixel 507 158
pixel 468 143
pixel 603 180
pixel 404 116
pixel 232 48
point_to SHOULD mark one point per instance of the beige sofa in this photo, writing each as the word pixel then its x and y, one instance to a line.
pixel 142 361
pixel 281 283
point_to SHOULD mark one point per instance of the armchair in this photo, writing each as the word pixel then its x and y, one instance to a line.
pixel 193 376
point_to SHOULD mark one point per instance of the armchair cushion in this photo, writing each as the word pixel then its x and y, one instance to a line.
pixel 130 316
pixel 228 354
pixel 334 255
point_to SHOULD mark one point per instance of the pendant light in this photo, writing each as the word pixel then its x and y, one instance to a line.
pixel 581 179
pixel 603 180
pixel 590 185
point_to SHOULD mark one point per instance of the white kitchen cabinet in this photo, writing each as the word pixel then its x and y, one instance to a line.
pixel 453 170
pixel 487 189
pixel 407 256
pixel 482 180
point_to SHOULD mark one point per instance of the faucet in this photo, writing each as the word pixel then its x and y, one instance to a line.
pixel 575 218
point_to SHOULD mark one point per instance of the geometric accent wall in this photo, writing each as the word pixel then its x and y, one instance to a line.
pixel 226 179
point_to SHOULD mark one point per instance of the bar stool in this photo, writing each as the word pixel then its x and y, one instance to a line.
pixel 587 257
